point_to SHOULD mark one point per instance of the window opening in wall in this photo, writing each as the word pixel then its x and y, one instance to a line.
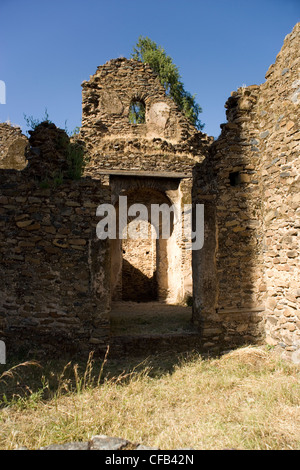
pixel 234 178
pixel 137 112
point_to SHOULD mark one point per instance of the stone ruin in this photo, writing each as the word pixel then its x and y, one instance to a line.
pixel 150 163
pixel 59 279
pixel 13 146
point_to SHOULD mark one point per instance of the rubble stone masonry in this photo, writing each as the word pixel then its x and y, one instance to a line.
pixel 54 287
pixel 148 161
pixel 12 147
pixel 58 278
pixel 279 138
pixel 250 185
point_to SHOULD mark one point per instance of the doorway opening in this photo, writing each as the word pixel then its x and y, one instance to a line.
pixel 139 270
pixel 147 273
pixel 144 265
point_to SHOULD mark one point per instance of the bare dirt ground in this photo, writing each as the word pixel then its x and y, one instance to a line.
pixel 149 318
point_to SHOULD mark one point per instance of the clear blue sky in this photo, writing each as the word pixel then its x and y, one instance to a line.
pixel 47 48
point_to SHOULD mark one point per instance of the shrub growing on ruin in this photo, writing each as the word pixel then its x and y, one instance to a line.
pixel 149 52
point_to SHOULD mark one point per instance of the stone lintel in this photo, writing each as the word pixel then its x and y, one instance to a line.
pixel 156 174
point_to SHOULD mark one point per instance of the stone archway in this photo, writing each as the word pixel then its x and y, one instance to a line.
pixel 144 268
pixel 139 265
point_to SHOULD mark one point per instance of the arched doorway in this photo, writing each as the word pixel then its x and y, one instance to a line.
pixel 146 268
pixel 149 274
pixel 139 265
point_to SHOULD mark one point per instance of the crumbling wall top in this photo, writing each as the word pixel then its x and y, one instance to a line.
pixel 12 147
pixel 110 92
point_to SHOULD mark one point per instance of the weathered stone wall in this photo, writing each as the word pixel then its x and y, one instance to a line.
pixel 166 142
pixel 250 187
pixel 163 257
pixel 57 276
pixel 279 137
pixel 139 277
pixel 228 270
pixel 165 147
pixel 54 271
pixel 12 147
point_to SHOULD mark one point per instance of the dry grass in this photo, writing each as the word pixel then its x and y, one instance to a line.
pixel 247 399
pixel 13 371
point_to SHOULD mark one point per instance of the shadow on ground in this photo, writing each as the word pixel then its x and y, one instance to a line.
pixel 150 337
pixel 46 378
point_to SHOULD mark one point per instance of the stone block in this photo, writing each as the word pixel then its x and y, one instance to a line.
pixel 103 442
